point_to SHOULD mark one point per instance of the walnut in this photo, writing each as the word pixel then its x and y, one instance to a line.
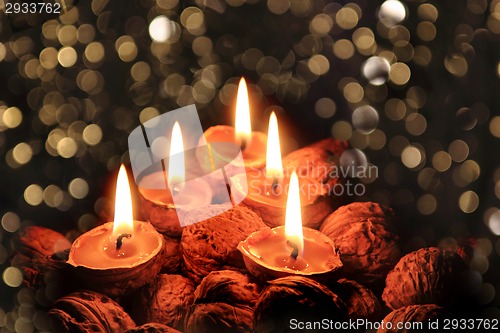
pixel 173 257
pixel 412 314
pixel 153 328
pixel 211 245
pixel 85 311
pixel 224 302
pixel 162 216
pixel 425 276
pixel 367 244
pixel 360 301
pixel 41 271
pixel 165 300
pixel 295 297
pixel 34 241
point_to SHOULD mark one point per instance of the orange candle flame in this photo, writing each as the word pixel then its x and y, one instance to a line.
pixel 176 164
pixel 293 215
pixel 124 217
pixel 274 164
pixel 242 124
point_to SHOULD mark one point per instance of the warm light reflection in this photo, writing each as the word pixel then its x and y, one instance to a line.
pixel 176 164
pixel 274 165
pixel 243 126
pixel 293 215
pixel 124 217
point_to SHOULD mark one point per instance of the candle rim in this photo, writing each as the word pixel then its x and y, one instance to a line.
pixel 108 226
pixel 333 261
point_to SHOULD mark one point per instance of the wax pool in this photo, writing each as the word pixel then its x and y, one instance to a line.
pixel 269 247
pixel 97 248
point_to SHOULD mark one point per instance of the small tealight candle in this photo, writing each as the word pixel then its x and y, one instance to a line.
pixel 263 190
pixel 252 144
pixel 290 249
pixel 118 256
pixel 167 196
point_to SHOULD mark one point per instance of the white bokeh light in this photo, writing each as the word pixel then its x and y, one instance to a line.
pixel 392 12
pixel 161 29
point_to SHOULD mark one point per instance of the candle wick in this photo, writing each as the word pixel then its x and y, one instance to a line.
pixel 243 144
pixel 119 240
pixel 295 250
pixel 274 185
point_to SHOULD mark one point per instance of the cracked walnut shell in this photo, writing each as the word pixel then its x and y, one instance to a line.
pixel 86 311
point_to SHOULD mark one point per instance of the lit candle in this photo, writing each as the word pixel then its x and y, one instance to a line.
pixel 167 195
pixel 251 143
pixel 290 249
pixel 118 256
pixel 263 191
pixel 274 164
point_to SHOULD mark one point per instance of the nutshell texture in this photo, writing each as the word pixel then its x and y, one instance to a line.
pixel 363 233
pixel 85 311
pixel 211 245
pixel 34 241
pixel 173 256
pixel 412 314
pixel 165 301
pixel 295 297
pixel 224 302
pixel 153 328
pixel 425 276
pixel 359 300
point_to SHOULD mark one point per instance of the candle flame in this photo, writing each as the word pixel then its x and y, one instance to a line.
pixel 176 164
pixel 242 124
pixel 124 217
pixel 293 215
pixel 274 164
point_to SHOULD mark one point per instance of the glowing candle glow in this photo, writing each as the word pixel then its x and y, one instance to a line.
pixel 293 218
pixel 290 249
pixel 120 255
pixel 242 123
pixel 176 164
pixel 274 164
pixel 124 218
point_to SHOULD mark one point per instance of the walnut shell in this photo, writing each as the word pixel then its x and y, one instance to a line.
pixel 163 217
pixel 295 297
pixel 42 271
pixel 165 300
pixel 211 245
pixel 153 328
pixel 224 302
pixel 360 301
pixel 425 276
pixel 173 256
pixel 39 241
pixel 86 311
pixel 368 247
pixel 412 314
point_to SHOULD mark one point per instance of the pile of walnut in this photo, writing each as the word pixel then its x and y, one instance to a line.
pixel 204 286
